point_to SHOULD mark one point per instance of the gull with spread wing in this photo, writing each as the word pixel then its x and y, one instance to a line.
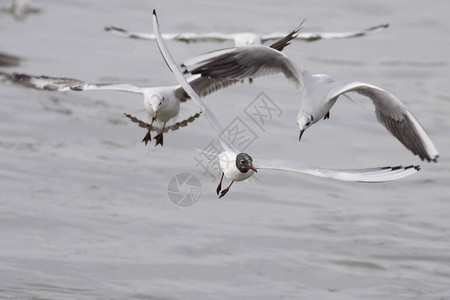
pixel 162 104
pixel 244 38
pixel 238 166
pixel 320 92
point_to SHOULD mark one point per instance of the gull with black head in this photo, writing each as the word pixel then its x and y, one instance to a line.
pixel 238 166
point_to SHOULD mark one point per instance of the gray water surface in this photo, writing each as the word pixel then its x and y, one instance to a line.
pixel 84 210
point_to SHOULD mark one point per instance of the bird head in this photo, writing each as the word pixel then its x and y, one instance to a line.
pixel 156 102
pixel 244 162
pixel 304 120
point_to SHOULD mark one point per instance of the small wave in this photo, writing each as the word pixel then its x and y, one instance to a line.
pixel 332 61
pixel 416 64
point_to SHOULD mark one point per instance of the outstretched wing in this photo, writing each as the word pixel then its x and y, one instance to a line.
pixel 203 86
pixel 397 119
pixel 314 36
pixel 362 175
pixel 67 84
pixel 182 81
pixel 244 62
pixel 182 37
pixel 167 128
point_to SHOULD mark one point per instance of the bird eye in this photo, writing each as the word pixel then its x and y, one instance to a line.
pixel 307 124
pixel 242 162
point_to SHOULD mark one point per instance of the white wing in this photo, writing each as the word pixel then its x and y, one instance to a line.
pixel 203 86
pixel 67 84
pixel 182 81
pixel 394 115
pixel 244 62
pixel 182 37
pixel 362 175
pixel 314 36
pixel 203 37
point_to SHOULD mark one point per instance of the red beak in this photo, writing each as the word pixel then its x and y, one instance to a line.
pixel 253 168
pixel 300 136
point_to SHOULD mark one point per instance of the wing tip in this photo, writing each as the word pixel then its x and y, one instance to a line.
pixel 155 16
pixel 396 168
pixel 76 88
pixel 429 158
pixel 417 167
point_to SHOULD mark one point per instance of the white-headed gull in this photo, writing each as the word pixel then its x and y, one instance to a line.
pixel 162 104
pixel 243 38
pixel 238 166
pixel 320 92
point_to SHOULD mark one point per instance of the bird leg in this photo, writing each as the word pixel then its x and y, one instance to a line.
pixel 225 190
pixel 327 116
pixel 148 136
pixel 219 187
pixel 159 137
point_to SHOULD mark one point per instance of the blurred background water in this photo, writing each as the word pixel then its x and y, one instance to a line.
pixel 84 211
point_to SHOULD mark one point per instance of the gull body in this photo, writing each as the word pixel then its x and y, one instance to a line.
pixel 239 166
pixel 161 103
pixel 319 92
pixel 244 38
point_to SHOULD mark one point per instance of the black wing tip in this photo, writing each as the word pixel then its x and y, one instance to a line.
pixel 115 28
pixel 155 16
pixel 430 159
pixel 435 159
pixel 395 168
pixel 299 27
pixel 417 167
pixel 76 88
pixel 184 69
pixel 385 25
